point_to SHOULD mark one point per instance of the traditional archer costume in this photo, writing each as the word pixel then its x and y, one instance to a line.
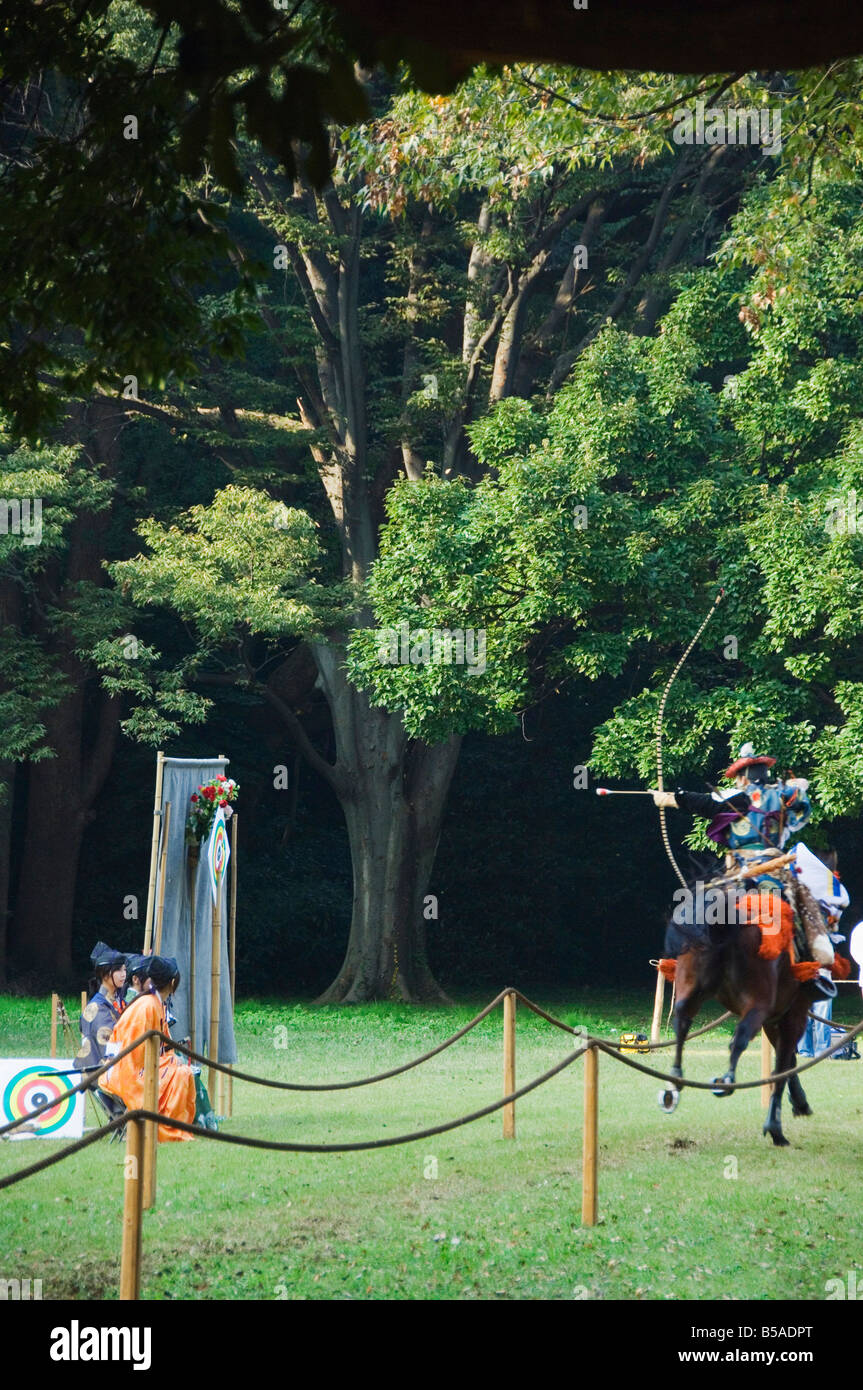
pixel 754 823
pixel 97 1022
pixel 126 1078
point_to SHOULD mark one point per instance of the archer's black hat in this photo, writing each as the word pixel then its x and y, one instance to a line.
pixel 162 969
pixel 136 964
pixel 104 957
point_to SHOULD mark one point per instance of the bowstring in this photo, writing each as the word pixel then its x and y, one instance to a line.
pixel 672 678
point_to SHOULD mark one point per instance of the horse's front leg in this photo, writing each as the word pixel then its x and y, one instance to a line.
pixel 689 1001
pixel 749 1025
pixel 685 1011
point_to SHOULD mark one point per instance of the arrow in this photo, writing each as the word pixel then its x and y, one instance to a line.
pixel 609 791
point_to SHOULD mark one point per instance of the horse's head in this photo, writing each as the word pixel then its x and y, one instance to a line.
pixel 703 915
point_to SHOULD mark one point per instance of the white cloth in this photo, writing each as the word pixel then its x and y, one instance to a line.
pixel 830 894
pixel 855 946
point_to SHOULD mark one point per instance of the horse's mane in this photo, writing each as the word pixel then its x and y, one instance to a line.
pixel 682 936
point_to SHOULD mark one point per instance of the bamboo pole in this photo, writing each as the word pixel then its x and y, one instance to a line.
pixel 671 1005
pixel 83 1000
pixel 591 1116
pixel 509 1063
pixel 232 919
pixel 215 984
pixel 216 992
pixel 192 860
pixel 232 951
pixel 154 854
pixel 163 858
pixel 54 1002
pixel 766 1069
pixel 658 1002
pixel 151 1128
pixel 130 1261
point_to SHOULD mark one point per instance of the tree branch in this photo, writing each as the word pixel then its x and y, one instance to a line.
pixel 565 360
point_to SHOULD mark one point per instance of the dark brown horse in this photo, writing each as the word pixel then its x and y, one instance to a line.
pixel 722 961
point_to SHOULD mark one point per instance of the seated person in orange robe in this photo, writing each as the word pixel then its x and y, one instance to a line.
pixel 126 1077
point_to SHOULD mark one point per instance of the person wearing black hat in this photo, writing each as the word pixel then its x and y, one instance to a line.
pixel 101 1012
pixel 137 972
pixel 754 822
pixel 756 818
pixel 176 1082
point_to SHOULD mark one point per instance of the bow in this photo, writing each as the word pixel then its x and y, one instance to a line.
pixel 672 678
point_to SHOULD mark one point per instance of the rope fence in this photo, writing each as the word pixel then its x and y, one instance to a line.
pixel 141 1125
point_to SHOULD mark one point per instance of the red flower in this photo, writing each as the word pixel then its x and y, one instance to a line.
pixel 210 793
pixel 223 803
pixel 194 798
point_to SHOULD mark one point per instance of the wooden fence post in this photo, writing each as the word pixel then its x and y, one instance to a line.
pixel 509 1063
pixel 130 1261
pixel 151 1128
pixel 591 1115
pixel 658 1002
pixel 766 1069
pixel 54 1002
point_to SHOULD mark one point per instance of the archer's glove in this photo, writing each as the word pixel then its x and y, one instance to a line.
pixel 667 799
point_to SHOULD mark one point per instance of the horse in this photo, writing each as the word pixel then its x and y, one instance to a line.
pixel 724 958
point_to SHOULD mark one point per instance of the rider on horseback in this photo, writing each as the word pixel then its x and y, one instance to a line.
pixel 754 821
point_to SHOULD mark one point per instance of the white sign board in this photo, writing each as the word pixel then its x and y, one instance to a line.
pixel 26 1083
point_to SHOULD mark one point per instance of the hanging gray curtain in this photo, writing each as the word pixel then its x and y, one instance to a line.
pixel 182 777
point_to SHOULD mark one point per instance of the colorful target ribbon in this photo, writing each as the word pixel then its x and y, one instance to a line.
pixel 33 1086
pixel 218 852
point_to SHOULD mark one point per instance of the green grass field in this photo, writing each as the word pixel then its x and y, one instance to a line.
pixel 467 1215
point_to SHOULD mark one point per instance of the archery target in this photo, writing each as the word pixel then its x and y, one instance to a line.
pixel 26 1084
pixel 218 852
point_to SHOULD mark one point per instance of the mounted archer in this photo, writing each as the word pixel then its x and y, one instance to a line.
pixel 758 953
pixel 754 821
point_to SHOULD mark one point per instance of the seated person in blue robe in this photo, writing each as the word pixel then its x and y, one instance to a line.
pixel 106 1001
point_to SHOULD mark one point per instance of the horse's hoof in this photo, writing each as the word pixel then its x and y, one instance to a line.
pixel 798 1114
pixel 669 1099
pixel 720 1087
pixel 777 1136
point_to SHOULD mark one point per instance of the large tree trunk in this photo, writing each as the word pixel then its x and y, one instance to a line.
pixel 393 794
pixel 41 936
pixel 81 729
pixel 392 789
pixel 60 796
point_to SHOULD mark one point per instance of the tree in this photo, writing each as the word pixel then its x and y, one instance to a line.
pixel 431 281
pixel 726 450
pixel 418 296
pixel 57 718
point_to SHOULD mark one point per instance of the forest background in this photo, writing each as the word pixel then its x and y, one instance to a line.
pixel 512 359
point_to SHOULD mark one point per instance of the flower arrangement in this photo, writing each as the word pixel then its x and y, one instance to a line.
pixel 221 791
